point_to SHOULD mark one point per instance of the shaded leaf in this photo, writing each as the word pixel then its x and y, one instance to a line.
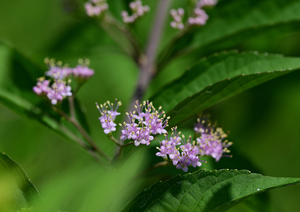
pixel 205 191
pixel 218 77
pixel 232 22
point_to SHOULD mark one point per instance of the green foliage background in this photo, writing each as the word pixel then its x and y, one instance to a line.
pixel 263 122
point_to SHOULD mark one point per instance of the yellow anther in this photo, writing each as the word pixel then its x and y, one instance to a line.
pixel 87 61
pixel 80 61
pixel 46 60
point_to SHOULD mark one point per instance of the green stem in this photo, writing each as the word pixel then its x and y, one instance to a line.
pixel 110 136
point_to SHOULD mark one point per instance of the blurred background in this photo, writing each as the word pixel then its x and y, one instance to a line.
pixel 263 122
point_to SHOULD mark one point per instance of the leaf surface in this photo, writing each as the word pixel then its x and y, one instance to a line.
pixel 218 77
pixel 205 191
pixel 233 22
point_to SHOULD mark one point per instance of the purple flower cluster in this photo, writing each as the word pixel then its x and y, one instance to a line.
pixel 198 18
pixel 138 10
pixel 81 71
pixel 55 93
pixel 146 122
pixel 177 16
pixel 187 154
pixel 60 89
pixel 108 115
pixel 210 139
pixel 143 123
pixel 206 3
pixel 95 7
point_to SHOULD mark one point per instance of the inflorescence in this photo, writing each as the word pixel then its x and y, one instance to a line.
pixel 96 7
pixel 60 76
pixel 198 18
pixel 146 121
pixel 137 10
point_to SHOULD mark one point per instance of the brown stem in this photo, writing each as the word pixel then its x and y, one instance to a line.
pixel 155 166
pixel 73 121
pixel 147 61
pixel 82 144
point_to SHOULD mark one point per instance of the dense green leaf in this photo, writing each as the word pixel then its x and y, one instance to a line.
pixel 17 190
pixel 232 22
pixel 218 77
pixel 205 191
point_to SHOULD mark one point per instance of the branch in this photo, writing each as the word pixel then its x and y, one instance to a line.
pixel 73 121
pixel 82 144
pixel 117 142
pixel 148 66
pixel 147 62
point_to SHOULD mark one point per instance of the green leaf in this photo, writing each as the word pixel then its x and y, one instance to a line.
pixel 233 22
pixel 17 190
pixel 205 191
pixel 218 77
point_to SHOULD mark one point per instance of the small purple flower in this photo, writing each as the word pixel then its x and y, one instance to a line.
pixel 108 115
pixel 200 17
pixel 182 153
pixel 58 91
pixel 138 10
pixel 42 86
pixel 82 71
pixel 95 7
pixel 211 139
pixel 206 3
pixel 143 123
pixel 57 72
pixel 177 16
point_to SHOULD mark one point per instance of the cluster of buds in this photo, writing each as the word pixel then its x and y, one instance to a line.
pixel 60 88
pixel 206 3
pixel 95 7
pixel 199 17
pixel 188 153
pixel 177 16
pixel 138 10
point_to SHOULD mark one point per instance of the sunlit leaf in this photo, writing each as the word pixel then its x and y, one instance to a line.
pixel 17 191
